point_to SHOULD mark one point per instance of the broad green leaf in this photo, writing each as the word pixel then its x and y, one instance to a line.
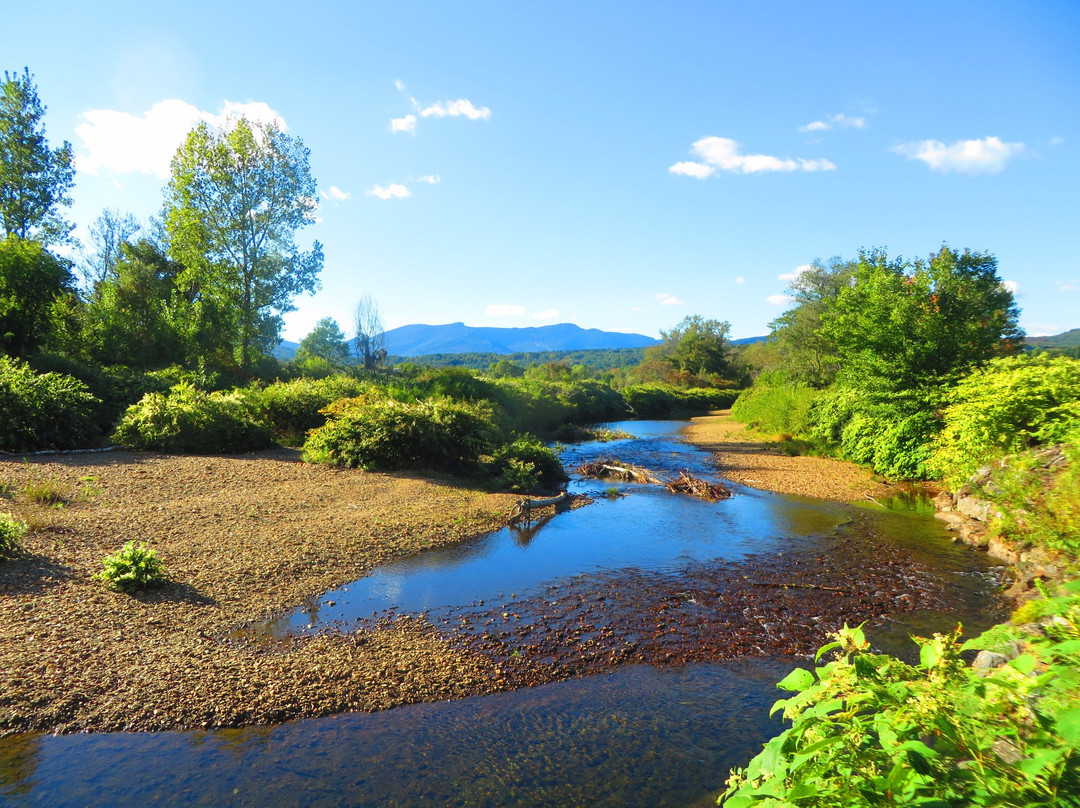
pixel 798 679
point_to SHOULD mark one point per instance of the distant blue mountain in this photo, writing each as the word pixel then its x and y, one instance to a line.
pixel 416 340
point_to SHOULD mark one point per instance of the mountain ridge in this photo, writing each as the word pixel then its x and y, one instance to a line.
pixel 419 339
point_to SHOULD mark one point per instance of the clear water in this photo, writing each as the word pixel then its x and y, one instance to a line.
pixel 637 735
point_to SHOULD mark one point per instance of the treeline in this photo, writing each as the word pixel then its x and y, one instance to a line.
pixel 591 360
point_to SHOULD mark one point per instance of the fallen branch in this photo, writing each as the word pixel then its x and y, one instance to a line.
pixel 612 468
pixel 523 507
pixel 805 586
pixel 686 483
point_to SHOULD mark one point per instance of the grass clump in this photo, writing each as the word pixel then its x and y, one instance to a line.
pixel 45 492
pixel 133 568
pixel 12 532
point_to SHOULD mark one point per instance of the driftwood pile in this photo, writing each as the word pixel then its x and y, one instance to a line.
pixel 686 483
pixel 609 468
pixel 613 469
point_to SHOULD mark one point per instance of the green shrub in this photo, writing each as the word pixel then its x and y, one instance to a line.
pixel 526 464
pixel 656 400
pixel 132 568
pixel 776 406
pixel 375 432
pixel 870 730
pixel 43 411
pixel 12 532
pixel 293 408
pixel 189 420
pixel 1005 407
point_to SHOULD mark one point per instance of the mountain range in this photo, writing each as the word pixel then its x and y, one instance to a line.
pixel 415 340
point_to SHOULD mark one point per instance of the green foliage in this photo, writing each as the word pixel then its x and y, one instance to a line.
pixel 34 180
pixel 775 406
pixel 187 419
pixel 133 568
pixel 696 346
pixel 232 207
pixel 666 401
pixel 294 407
pixel 870 730
pixel 902 325
pixel 594 360
pixel 46 411
pixel 377 432
pixel 1038 497
pixel 1004 407
pixel 326 342
pixel 526 464
pixel 31 280
pixel 12 532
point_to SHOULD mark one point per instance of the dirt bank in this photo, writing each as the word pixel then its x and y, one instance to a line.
pixel 241 537
pixel 746 459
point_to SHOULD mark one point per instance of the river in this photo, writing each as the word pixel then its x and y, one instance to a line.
pixel 650 628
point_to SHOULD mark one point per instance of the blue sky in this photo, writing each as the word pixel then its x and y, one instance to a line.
pixel 616 165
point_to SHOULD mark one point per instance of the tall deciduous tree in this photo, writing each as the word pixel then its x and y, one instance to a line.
pixel 233 205
pixel 908 325
pixel 108 236
pixel 696 346
pixel 34 180
pixel 326 342
pixel 31 279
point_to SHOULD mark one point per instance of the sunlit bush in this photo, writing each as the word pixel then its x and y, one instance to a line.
pixel 188 420
pixel 43 411
pixel 294 407
pixel 134 567
pixel 12 532
pixel 526 464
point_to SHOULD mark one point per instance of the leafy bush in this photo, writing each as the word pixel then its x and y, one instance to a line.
pixel 775 406
pixel 12 532
pixel 665 401
pixel 1004 407
pixel 46 411
pixel 293 408
pixel 526 464
pixel 134 567
pixel 375 432
pixel 189 420
pixel 870 730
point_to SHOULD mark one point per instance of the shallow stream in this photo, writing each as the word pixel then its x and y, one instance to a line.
pixel 653 626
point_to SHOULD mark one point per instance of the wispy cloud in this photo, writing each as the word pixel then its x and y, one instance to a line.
pixel 393 191
pixel 336 194
pixel 1071 285
pixel 668 300
pixel 546 314
pixel 406 124
pixel 779 300
pixel 724 154
pixel 838 121
pixel 988 155
pixel 1057 140
pixel 504 310
pixel 121 143
pixel 740 279
pixel 463 107
pixel 430 179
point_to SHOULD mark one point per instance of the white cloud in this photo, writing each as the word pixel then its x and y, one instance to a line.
pixel 1071 285
pixel 988 155
pixel 454 109
pixel 122 143
pixel 740 279
pixel 839 121
pixel 668 300
pixel 1057 141
pixel 721 153
pixel 406 124
pixel 790 276
pixel 504 310
pixel 336 194
pixel 1012 286
pixel 400 85
pixel 779 300
pixel 690 169
pixel 546 314
pixel 430 179
pixel 392 191
pixel 637 308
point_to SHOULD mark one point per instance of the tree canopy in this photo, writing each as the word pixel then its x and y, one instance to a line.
pixel 34 180
pixel 325 342
pixel 233 205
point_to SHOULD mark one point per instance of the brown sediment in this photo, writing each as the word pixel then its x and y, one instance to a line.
pixel 241 537
pixel 747 459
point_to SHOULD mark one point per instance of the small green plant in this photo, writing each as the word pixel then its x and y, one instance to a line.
pixel 133 568
pixel 45 492
pixel 12 531
pixel 612 493
pixel 90 488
